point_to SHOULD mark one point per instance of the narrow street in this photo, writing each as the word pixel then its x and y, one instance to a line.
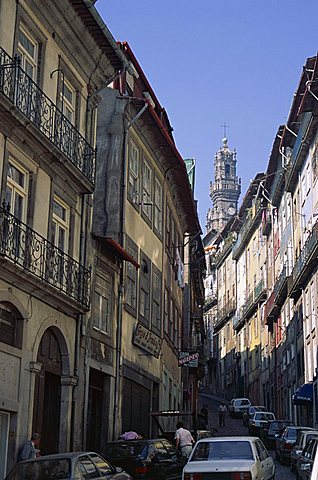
pixel 234 426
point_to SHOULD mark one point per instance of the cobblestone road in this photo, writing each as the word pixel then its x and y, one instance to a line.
pixel 234 426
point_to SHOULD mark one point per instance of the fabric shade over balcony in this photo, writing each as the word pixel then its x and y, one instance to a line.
pixel 304 394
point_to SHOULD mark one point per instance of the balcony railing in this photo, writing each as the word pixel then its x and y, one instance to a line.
pixel 227 245
pixel 277 186
pixel 210 301
pixel 238 319
pixel 260 293
pixel 247 228
pixel 27 97
pixel 306 262
pixel 225 311
pixel 299 150
pixel 34 254
pixel 266 221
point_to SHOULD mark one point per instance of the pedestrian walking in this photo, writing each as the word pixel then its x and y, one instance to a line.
pixel 222 409
pixel 184 440
pixel 30 449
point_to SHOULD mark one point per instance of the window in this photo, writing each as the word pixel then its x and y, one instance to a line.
pixel 131 279
pixel 166 311
pixel 133 175
pixel 144 289
pixel 10 325
pixel 172 320
pixel 156 298
pixel 61 218
pixel 227 169
pixel 102 301
pixel 168 228
pixel 158 206
pixel 68 100
pixel 87 468
pixel 28 51
pixel 17 190
pixel 147 190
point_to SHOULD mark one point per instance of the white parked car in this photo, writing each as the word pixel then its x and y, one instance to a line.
pixel 259 420
pixel 238 406
pixel 229 457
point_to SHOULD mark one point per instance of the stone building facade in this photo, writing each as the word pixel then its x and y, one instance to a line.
pixel 276 268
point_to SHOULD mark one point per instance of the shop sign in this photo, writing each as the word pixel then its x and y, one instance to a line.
pixel 189 359
pixel 147 340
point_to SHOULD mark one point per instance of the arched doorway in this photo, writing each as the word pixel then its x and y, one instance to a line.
pixel 47 393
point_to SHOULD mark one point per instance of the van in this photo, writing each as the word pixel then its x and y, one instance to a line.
pixel 238 406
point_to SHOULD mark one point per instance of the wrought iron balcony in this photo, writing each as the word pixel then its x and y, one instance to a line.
pixel 27 97
pixel 226 248
pixel 305 264
pixel 260 292
pixel 270 309
pixel 248 228
pixel 24 247
pixel 226 311
pixel 238 319
pixel 266 222
pixel 280 287
pixel 300 149
pixel 210 301
pixel 278 186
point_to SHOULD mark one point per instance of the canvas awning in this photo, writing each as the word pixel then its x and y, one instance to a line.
pixel 304 394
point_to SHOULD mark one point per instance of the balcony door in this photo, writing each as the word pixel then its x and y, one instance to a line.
pixel 60 240
pixel 16 196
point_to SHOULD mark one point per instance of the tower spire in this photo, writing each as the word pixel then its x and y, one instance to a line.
pixel 225 189
pixel 224 126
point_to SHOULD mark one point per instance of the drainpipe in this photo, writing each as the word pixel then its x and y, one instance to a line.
pixel 121 277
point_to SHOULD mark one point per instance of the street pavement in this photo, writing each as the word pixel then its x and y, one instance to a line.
pixel 234 426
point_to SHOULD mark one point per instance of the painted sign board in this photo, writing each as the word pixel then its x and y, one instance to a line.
pixel 147 340
pixel 188 359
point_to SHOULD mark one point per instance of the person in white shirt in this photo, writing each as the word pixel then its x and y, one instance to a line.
pixel 184 440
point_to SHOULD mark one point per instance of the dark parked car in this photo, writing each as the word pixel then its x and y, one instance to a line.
pixel 67 466
pixel 154 459
pixel 303 438
pixel 286 442
pixel 306 459
pixel 273 428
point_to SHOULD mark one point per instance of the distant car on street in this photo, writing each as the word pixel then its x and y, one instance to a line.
pixel 303 438
pixel 238 406
pixel 148 459
pixel 269 432
pixel 67 466
pixel 229 458
pixel 286 442
pixel 306 459
pixel 258 421
pixel 247 415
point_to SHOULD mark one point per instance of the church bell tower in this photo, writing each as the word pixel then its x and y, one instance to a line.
pixel 224 190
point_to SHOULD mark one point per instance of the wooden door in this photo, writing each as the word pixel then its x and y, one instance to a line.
pixel 46 412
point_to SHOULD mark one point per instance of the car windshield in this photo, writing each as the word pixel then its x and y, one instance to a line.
pixel 291 434
pixel 125 449
pixel 222 450
pixel 53 469
pixel 263 416
pixel 278 426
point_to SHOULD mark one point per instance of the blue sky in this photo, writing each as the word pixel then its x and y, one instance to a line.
pixel 211 61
